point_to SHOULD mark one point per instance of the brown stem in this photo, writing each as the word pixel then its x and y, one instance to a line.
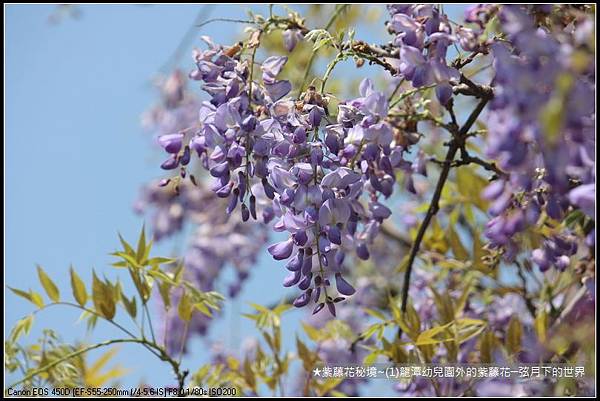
pixel 431 211
pixel 455 144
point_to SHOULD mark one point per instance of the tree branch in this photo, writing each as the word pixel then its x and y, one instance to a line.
pixel 77 353
pixel 457 142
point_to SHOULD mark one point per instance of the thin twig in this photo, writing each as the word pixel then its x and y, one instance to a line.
pixel 187 38
pixel 313 56
pixel 239 21
pixel 77 353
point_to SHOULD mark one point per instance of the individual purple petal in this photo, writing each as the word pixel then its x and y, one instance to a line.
pixel 281 250
pixel 291 279
pixel 303 299
pixel 249 123
pixel 541 259
pixel 299 135
pixel 324 244
pixel 296 262
pixel 170 163
pixel 300 237
pixel 331 307
pixel 553 208
pixel 379 211
pixel 362 251
pixel 305 282
pixel 318 308
pixel 343 286
pixel 366 87
pixel 232 204
pixel 307 264
pixel 443 92
pixel 253 206
pixel 279 89
pixel 584 196
pixel 339 257
pixel 271 67
pixel 281 179
pixel 316 156
pixel 171 142
pixel 562 262
pixel 245 212
pixel 494 190
pixel 198 143
pixel 335 235
pixel 314 117
pixel 219 170
pixel 290 38
pixel 269 191
pixel 317 290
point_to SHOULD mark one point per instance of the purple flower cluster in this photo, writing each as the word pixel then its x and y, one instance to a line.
pixel 261 146
pixel 555 251
pixel 541 129
pixel 423 35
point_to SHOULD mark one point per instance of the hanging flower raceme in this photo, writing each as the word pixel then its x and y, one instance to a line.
pixel 541 131
pixel 423 36
pixel 253 139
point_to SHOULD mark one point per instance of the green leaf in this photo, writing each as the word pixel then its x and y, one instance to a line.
pixel 574 217
pixel 130 305
pixel 178 273
pixel 120 264
pixel 311 332
pixel 49 286
pixel 203 309
pixel 513 335
pixel 428 337
pixel 23 326
pixel 37 299
pixel 185 309
pixel 164 289
pixel 249 374
pixel 487 343
pixel 126 247
pixel 456 245
pixel 91 322
pixel 279 309
pixel 435 239
pixel 103 297
pixel 410 322
pixel 370 331
pixel 21 293
pixel 159 274
pixel 304 354
pixel 541 324
pixel 462 301
pixel 78 287
pixel 160 261
pixel 403 264
pixel 467 328
pixel 129 259
pixel 452 264
pixel 371 358
pixel 141 246
pixel 375 314
pixel 444 306
pixel 471 185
